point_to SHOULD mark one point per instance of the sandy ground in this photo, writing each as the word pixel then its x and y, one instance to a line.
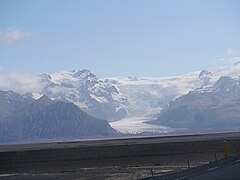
pixel 112 159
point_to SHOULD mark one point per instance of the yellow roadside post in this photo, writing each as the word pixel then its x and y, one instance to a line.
pixel 225 148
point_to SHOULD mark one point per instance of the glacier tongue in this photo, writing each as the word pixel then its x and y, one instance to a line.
pixel 137 125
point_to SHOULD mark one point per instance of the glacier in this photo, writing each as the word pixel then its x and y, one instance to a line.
pixel 126 102
pixel 136 99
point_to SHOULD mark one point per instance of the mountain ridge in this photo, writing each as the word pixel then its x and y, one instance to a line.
pixel 121 98
pixel 47 119
pixel 217 106
pixel 97 97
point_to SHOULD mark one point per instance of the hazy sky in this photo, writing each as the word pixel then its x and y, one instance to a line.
pixel 118 38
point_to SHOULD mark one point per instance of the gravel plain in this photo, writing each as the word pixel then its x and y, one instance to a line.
pixel 126 158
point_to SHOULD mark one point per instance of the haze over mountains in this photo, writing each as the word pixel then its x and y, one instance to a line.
pixel 205 99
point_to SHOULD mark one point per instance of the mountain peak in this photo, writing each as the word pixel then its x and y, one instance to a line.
pixel 204 73
pixel 45 77
pixel 237 63
pixel 82 72
pixel 226 83
pixel 44 100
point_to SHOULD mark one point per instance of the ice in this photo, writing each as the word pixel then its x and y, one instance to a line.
pixel 136 125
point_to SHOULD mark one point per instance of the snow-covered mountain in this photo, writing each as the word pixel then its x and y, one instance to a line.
pixel 98 97
pixel 147 95
pixel 216 106
pixel 126 99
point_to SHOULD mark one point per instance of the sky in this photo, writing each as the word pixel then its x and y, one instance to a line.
pixel 118 38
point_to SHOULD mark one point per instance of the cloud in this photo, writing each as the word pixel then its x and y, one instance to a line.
pixel 231 56
pixel 235 59
pixel 21 83
pixel 1 67
pixel 231 53
pixel 221 59
pixel 9 36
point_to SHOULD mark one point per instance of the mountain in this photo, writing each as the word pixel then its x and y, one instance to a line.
pixel 124 98
pixel 11 102
pixel 215 107
pixel 97 97
pixel 149 95
pixel 46 119
pixel 146 95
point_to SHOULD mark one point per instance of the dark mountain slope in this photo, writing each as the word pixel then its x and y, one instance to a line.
pixel 11 102
pixel 213 107
pixel 46 119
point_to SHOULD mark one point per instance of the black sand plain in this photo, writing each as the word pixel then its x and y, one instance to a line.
pixel 126 158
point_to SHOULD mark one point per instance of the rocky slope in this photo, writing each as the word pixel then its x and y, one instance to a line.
pixel 46 119
pixel 214 107
pixel 11 102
